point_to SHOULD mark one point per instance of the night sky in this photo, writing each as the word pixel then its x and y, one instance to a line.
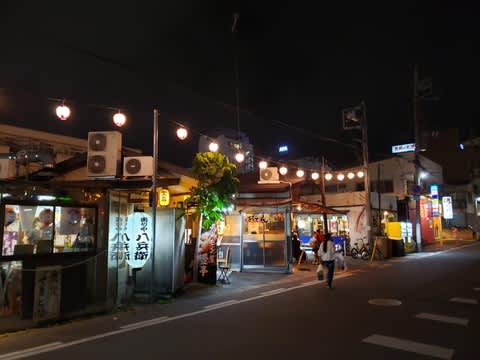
pixel 299 66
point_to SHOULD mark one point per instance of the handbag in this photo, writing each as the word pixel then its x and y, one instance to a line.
pixel 320 272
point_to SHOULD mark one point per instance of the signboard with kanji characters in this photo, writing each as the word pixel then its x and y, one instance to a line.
pixel 403 148
pixel 137 239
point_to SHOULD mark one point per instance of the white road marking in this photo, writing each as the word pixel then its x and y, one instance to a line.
pixel 464 300
pixel 443 318
pixel 145 323
pixel 274 291
pixel 30 351
pixel 221 304
pixel 127 328
pixel 411 346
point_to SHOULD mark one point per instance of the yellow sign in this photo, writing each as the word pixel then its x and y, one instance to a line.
pixel 164 197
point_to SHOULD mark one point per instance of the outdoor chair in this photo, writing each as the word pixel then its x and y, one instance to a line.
pixel 223 263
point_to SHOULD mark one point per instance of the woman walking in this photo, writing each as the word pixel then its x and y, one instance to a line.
pixel 327 252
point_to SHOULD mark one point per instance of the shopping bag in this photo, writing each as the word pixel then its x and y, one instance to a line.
pixel 320 272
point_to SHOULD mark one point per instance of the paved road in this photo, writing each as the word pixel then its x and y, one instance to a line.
pixel 438 317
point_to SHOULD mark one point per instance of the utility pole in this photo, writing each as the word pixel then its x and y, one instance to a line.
pixel 324 200
pixel 366 176
pixel 416 176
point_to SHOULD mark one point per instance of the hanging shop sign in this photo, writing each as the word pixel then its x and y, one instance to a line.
pixel 137 239
pixel 447 207
pixel 164 197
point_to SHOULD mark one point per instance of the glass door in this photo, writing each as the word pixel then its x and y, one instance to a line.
pixel 264 240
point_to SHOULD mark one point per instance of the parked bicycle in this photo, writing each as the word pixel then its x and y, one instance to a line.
pixel 360 250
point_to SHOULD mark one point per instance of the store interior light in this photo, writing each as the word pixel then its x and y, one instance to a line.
pixel 46 197
pixel 283 170
pixel 263 164
pixel 423 175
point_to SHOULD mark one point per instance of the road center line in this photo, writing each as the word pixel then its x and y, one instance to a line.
pixel 443 318
pixel 464 300
pixel 411 346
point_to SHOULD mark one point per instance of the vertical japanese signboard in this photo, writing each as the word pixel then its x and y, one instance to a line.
pixel 137 239
pixel 447 207
pixel 46 301
pixel 434 196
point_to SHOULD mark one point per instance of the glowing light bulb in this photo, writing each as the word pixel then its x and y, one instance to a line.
pixel 239 157
pixel 350 175
pixel 63 112
pixel 182 133
pixel 340 177
pixel 262 164
pixel 315 175
pixel 119 119
pixel 300 173
pixel 328 176
pixel 360 174
pixel 213 147
pixel 283 170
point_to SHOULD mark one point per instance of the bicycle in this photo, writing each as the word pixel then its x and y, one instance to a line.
pixel 360 251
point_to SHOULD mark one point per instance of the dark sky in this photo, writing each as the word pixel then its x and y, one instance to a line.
pixel 299 65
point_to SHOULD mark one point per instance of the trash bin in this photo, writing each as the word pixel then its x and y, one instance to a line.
pixel 398 248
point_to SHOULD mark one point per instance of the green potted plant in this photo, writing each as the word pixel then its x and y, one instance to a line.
pixel 217 183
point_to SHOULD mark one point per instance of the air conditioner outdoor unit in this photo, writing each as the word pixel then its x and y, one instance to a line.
pixel 269 176
pixel 104 154
pixel 138 166
pixel 8 169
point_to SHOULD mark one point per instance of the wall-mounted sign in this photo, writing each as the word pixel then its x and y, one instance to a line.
pixel 283 148
pixel 434 196
pixel 164 197
pixel 403 148
pixel 137 240
pixel 447 207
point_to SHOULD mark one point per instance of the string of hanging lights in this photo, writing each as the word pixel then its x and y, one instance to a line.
pixel 63 112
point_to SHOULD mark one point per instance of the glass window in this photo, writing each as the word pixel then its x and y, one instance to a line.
pixel 28 229
pixel 74 229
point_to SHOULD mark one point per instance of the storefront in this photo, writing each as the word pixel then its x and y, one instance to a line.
pixel 52 253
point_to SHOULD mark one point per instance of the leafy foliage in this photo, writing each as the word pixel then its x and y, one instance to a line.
pixel 217 182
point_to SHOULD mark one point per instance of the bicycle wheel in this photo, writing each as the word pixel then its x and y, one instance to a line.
pixel 354 253
pixel 365 255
